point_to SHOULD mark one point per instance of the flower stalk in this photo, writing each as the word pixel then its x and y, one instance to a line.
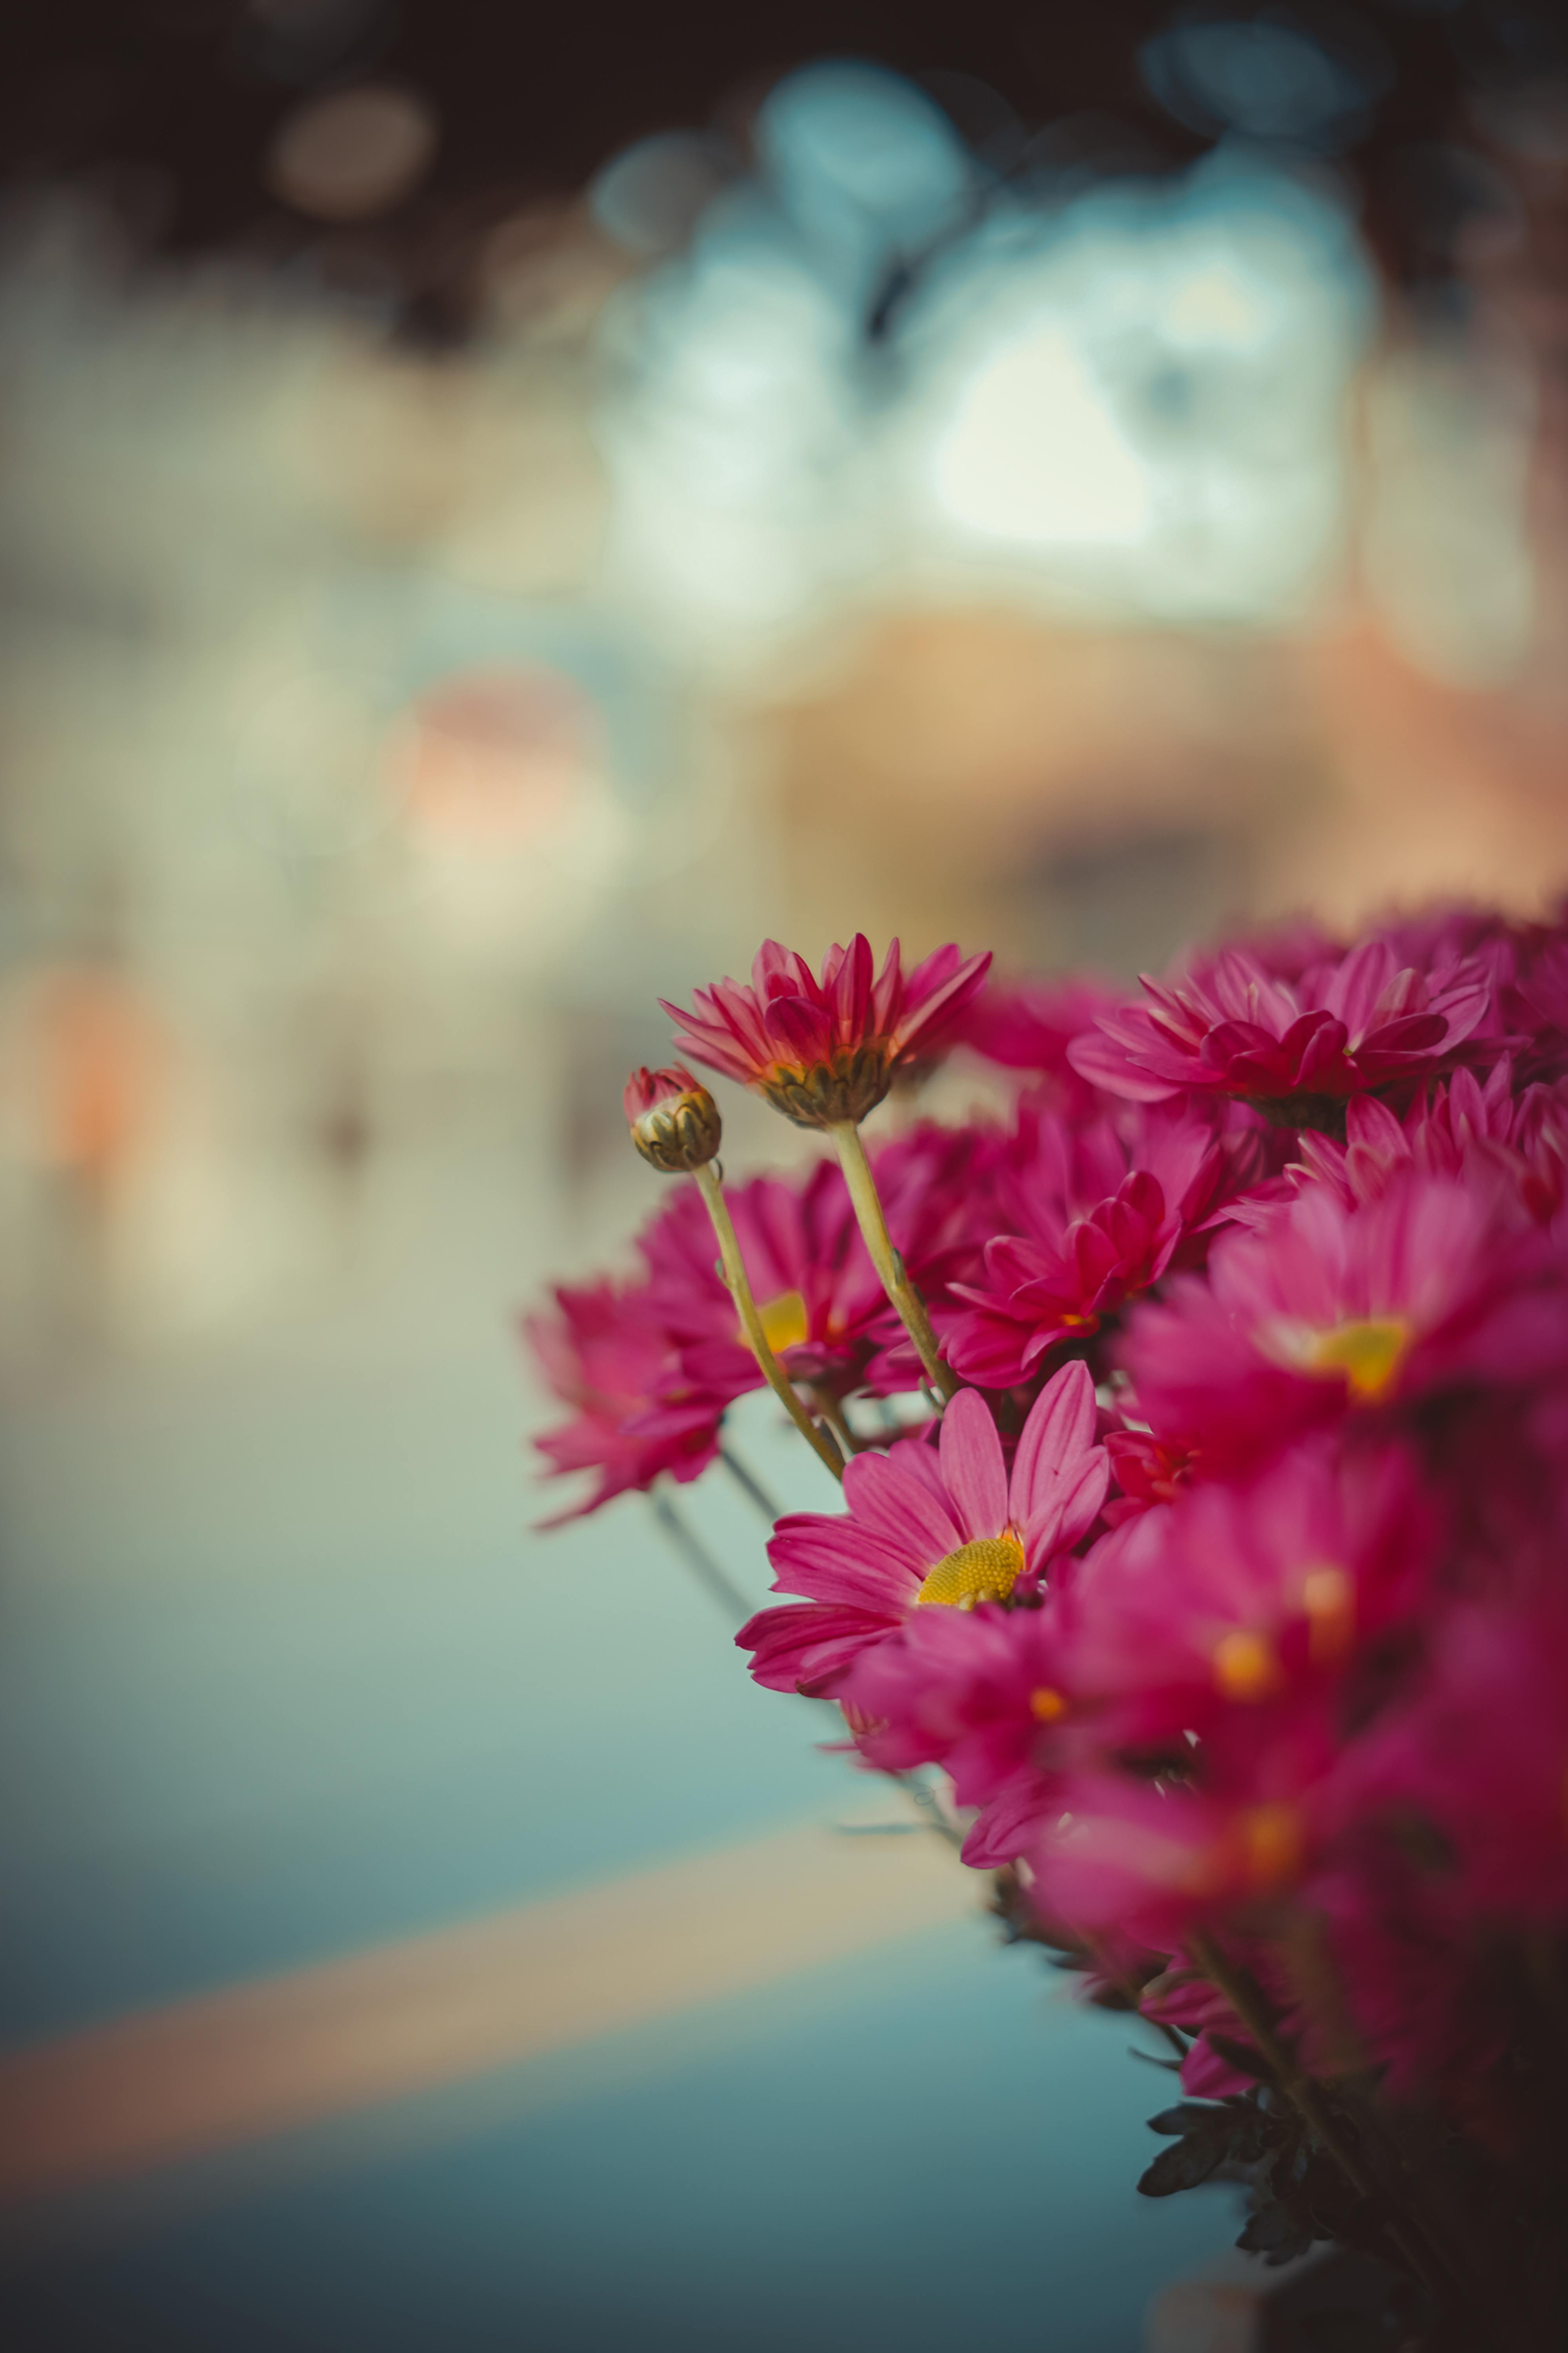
pixel 889 1266
pixel 709 1181
pixel 696 1556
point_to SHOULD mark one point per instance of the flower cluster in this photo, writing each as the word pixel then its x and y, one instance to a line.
pixel 1225 1577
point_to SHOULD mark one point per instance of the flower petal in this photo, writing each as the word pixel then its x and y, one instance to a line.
pixel 896 1504
pixel 1057 1436
pixel 972 1466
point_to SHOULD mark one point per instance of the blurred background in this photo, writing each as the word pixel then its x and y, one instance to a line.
pixel 501 509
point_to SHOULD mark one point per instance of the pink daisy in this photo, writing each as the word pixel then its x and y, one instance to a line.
pixel 930 1526
pixel 606 1353
pixel 1089 1216
pixel 1230 1026
pixel 1330 1308
pixel 1235 1597
pixel 826 1050
pixel 824 1310
pixel 984 1693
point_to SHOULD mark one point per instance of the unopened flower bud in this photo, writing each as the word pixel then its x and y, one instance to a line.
pixel 674 1120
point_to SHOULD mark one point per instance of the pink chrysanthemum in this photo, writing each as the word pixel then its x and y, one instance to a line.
pixel 1146 1471
pixel 606 1353
pixel 926 1526
pixel 1087 1217
pixel 1152 1858
pixel 1230 1026
pixel 1234 1597
pixel 826 1050
pixel 1512 1148
pixel 984 1693
pixel 824 1313
pixel 1330 1308
pixel 1475 1763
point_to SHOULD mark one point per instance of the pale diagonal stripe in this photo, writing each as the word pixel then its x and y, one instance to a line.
pixel 235 2066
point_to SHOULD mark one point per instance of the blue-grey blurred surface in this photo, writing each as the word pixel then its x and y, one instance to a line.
pixel 914 2151
pixel 287 1673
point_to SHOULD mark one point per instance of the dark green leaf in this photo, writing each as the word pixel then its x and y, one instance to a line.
pixel 1276 2234
pixel 1182 2166
pixel 1188 2117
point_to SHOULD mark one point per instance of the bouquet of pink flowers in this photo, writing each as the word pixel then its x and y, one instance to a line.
pixel 1213 1549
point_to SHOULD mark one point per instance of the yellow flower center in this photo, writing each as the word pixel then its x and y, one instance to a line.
pixel 1046 1706
pixel 1245 1666
pixel 1271 1844
pixel 1328 1596
pixel 985 1569
pixel 783 1321
pixel 1368 1353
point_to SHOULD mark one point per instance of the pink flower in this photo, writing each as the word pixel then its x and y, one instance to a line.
pixel 1511 1149
pixel 1147 1472
pixel 1329 1309
pixel 1182 1996
pixel 984 1693
pixel 1089 1217
pixel 1419 1997
pixel 605 1352
pixel 823 1308
pixel 926 1526
pixel 1470 1772
pixel 1236 1598
pixel 826 1050
pixel 1230 1026
pixel 1541 1002
pixel 1150 1858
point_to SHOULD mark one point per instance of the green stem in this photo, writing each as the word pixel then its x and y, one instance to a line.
pixel 926 1803
pixel 1246 1997
pixel 832 1414
pixel 699 1560
pixel 889 1266
pixel 748 1484
pixel 710 1184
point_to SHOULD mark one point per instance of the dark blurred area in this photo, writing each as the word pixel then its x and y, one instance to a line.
pixel 190 119
pixel 501 510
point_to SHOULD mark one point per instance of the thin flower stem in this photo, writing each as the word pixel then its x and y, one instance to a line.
pixel 1246 1997
pixel 699 1560
pixel 926 1803
pixel 832 1414
pixel 889 1266
pixel 749 1484
pixel 710 1184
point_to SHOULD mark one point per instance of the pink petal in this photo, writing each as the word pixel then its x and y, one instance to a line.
pixel 849 993
pixel 972 1466
pixel 932 996
pixel 1358 983
pixel 1071 1511
pixel 896 1504
pixel 1055 1438
pixel 1106 1064
pixel 888 990
pixel 800 1031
